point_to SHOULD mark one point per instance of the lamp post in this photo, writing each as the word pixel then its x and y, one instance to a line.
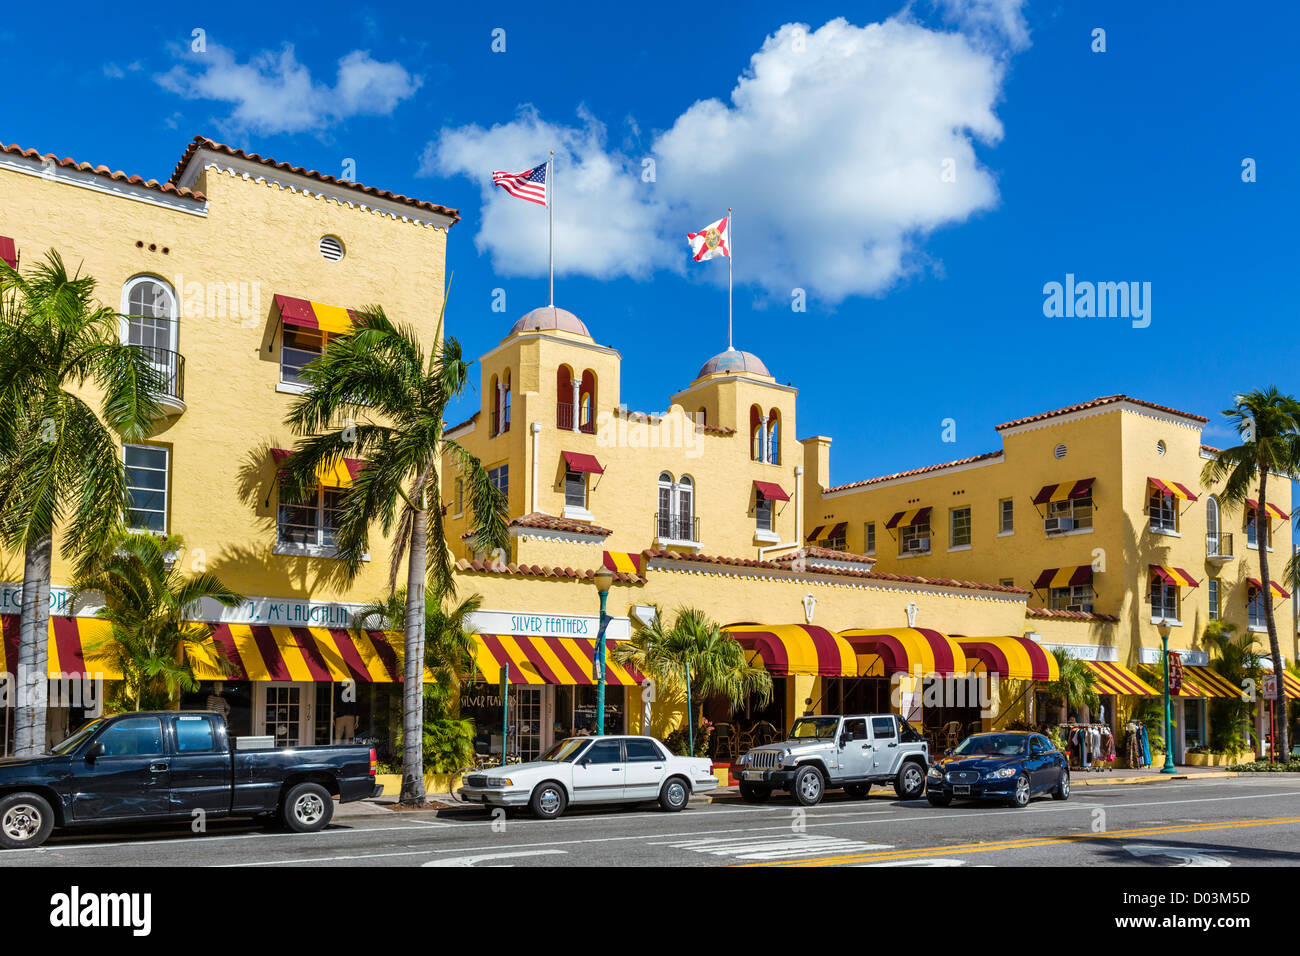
pixel 1169 728
pixel 604 578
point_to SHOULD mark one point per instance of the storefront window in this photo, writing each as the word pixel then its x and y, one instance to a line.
pixel 232 699
pixel 575 710
pixel 1193 722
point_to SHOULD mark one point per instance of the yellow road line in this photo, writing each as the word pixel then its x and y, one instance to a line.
pixel 1027 842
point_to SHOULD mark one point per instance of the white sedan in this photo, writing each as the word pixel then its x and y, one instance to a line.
pixel 588 770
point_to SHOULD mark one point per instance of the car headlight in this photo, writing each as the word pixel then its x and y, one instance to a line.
pixel 936 773
pixel 1001 774
pixel 499 782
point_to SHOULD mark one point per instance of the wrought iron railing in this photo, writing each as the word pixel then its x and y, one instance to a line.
pixel 170 367
pixel 1219 545
pixel 675 527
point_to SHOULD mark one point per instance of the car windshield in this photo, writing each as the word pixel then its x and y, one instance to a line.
pixel 566 751
pixel 992 745
pixel 72 743
pixel 818 728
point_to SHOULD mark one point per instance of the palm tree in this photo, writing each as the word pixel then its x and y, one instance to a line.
pixel 694 654
pixel 148 602
pixel 1269 425
pixel 391 396
pixel 59 456
pixel 1077 683
pixel 1235 658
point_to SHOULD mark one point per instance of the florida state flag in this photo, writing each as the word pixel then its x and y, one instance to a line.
pixel 712 241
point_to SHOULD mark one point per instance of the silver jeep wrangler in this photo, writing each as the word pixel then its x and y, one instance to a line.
pixel 829 751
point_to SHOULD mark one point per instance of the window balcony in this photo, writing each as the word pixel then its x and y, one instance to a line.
pixel 564 420
pixel 674 529
pixel 170 367
pixel 1218 548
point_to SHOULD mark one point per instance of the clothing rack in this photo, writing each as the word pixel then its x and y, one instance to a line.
pixel 1089 746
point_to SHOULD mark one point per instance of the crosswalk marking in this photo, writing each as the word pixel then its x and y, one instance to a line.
pixel 771 848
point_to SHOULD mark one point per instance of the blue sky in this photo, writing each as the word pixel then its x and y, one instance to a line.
pixel 924 297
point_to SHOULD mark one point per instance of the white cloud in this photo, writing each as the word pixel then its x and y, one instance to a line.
pixel 994 22
pixel 274 93
pixel 831 148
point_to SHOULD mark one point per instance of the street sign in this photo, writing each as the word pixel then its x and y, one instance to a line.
pixel 1270 687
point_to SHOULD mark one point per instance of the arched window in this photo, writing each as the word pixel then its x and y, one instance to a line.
pixel 1211 525
pixel 587 403
pixel 755 433
pixel 774 437
pixel 505 401
pixel 664 519
pixel 675 520
pixel 565 399
pixel 702 418
pixel 150 321
pixel 685 509
pixel 494 396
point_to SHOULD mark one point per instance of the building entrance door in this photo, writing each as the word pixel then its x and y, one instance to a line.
pixel 295 714
pixel 526 724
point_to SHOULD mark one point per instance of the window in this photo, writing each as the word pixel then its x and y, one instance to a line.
pixel 755 433
pixel 869 538
pixel 133 737
pixel 146 487
pixel 774 437
pixel 575 489
pixel 500 479
pixel 300 347
pixel 1252 531
pixel 914 539
pixel 1039 745
pixel 311 524
pixel 587 403
pixel 856 727
pixel 1163 511
pixel 837 540
pixel 675 518
pixel 195 735
pixel 566 399
pixel 1077 510
pixel 1212 593
pixel 460 496
pixel 1006 516
pixel 1211 525
pixel 882 728
pixel 1077 597
pixel 604 751
pixel 1256 616
pixel 959 527
pixel 1164 599
pixel 763 512
pixel 641 750
pixel 1007 582
pixel 149 323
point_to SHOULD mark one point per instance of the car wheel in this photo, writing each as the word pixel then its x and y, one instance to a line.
pixel 26 820
pixel 808 787
pixel 674 796
pixel 549 800
pixel 939 799
pixel 910 782
pixel 1020 796
pixel 753 793
pixel 857 791
pixel 1062 791
pixel 307 808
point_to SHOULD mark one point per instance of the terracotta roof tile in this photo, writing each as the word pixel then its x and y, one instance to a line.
pixel 101 170
pixel 202 142
pixel 537 571
pixel 1043 612
pixel 552 523
pixel 459 425
pixel 828 554
pixel 1097 403
pixel 916 471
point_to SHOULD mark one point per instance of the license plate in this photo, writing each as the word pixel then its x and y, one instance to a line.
pixel 753 775
pixel 961 788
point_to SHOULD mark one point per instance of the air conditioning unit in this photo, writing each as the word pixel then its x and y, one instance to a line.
pixel 1074 607
pixel 1057 525
pixel 917 546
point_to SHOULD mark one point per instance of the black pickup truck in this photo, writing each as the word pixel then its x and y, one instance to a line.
pixel 174 765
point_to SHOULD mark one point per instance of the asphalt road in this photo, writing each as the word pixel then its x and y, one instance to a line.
pixel 1244 821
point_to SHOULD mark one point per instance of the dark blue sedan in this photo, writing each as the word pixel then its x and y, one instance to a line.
pixel 1013 767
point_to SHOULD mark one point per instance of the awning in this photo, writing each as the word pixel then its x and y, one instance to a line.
pixel 9 252
pixel 786 649
pixel 1080 488
pixel 339 473
pixel 906 650
pixel 905 519
pixel 584 463
pixel 771 491
pixel 546 660
pixel 315 315
pixel 1063 577
pixel 1115 678
pixel 815 533
pixel 76 647
pixel 1274 587
pixel 838 531
pixel 1175 576
pixel 1010 657
pixel 1201 681
pixel 1173 488
pixel 1290 686
pixel 1271 508
pixel 625 562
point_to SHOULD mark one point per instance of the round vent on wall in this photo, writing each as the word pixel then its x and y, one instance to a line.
pixel 331 248
pixel 1059 451
pixel 1160 448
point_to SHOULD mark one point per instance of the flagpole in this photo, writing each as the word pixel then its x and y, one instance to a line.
pixel 731 233
pixel 550 207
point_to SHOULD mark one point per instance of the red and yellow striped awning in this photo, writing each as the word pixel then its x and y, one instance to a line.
pixel 546 660
pixel 1290 685
pixel 315 315
pixel 1172 488
pixel 8 252
pixel 905 650
pixel 1175 576
pixel 625 562
pixel 1202 681
pixel 815 533
pixel 786 649
pixel 1081 488
pixel 1063 577
pixel 338 473
pixel 1115 678
pixel 1270 508
pixel 1276 589
pixel 1010 657
pixel 905 519
pixel 82 646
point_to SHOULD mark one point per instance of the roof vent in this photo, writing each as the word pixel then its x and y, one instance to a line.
pixel 1059 451
pixel 331 248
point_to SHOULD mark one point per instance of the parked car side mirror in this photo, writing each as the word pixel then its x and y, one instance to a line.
pixel 97 749
pixel 584 762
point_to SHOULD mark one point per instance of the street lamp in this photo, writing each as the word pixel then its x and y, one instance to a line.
pixel 604 578
pixel 1169 729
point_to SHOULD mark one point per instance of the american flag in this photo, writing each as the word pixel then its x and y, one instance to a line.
pixel 530 184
